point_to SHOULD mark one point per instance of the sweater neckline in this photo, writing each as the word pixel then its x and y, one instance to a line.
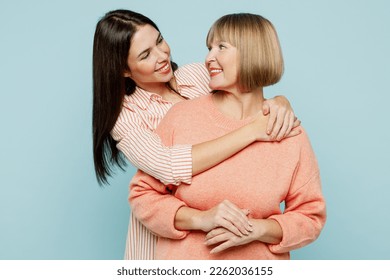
pixel 222 119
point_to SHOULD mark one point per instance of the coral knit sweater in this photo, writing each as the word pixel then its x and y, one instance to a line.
pixel 258 178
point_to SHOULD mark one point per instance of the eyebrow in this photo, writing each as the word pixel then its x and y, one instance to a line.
pixel 148 49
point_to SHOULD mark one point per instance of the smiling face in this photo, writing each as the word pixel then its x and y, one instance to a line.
pixel 259 60
pixel 149 59
pixel 222 64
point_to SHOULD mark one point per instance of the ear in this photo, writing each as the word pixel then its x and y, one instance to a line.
pixel 127 74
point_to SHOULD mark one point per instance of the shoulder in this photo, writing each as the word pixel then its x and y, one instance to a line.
pixel 130 114
pixel 190 106
pixel 296 140
pixel 301 146
pixel 303 137
pixel 183 112
pixel 127 120
pixel 191 69
pixel 194 74
pixel 296 144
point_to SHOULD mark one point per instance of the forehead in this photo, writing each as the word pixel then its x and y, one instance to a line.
pixel 218 34
pixel 144 38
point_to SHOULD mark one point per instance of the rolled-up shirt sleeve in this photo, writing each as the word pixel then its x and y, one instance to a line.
pixel 145 150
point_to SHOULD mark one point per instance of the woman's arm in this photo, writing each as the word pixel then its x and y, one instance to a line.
pixel 169 217
pixel 156 210
pixel 304 215
pixel 224 215
pixel 264 230
pixel 302 220
pixel 177 164
pixel 137 140
pixel 145 150
pixel 211 153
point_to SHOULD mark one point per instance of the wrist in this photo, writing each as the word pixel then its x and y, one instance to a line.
pixel 267 230
pixel 251 132
pixel 187 219
pixel 258 230
pixel 195 220
pixel 190 219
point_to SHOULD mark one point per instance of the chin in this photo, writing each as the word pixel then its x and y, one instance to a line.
pixel 215 87
pixel 166 79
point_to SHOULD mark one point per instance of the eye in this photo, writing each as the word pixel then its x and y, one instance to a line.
pixel 221 46
pixel 145 56
pixel 160 39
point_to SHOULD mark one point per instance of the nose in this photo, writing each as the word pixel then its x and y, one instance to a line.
pixel 210 57
pixel 162 53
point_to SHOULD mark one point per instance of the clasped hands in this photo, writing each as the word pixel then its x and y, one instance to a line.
pixel 227 226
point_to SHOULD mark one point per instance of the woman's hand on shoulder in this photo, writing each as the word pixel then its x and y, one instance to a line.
pixel 282 122
pixel 260 127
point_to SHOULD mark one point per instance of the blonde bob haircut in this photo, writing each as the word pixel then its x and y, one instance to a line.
pixel 259 53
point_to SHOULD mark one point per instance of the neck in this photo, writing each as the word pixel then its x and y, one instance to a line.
pixel 160 88
pixel 239 105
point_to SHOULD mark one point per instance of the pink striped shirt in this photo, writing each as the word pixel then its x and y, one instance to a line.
pixel 135 134
pixel 142 112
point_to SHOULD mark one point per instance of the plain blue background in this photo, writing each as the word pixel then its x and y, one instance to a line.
pixel 337 79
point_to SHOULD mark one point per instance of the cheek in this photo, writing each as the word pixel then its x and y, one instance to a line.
pixel 166 48
pixel 143 69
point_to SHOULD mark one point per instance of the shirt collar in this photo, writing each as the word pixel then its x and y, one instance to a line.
pixel 142 98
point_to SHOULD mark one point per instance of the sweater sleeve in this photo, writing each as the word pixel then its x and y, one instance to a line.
pixel 154 206
pixel 305 212
pixel 152 202
pixel 145 150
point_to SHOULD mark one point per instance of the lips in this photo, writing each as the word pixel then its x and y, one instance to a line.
pixel 164 69
pixel 214 71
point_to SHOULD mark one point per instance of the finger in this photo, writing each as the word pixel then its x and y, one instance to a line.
pixel 238 217
pixel 285 129
pixel 225 245
pixel 294 132
pixel 265 108
pixel 219 239
pixel 229 216
pixel 245 212
pixel 214 232
pixel 271 122
pixel 240 212
pixel 279 123
pixel 238 224
pixel 222 237
pixel 296 122
pixel 243 227
pixel 232 228
pixel 289 121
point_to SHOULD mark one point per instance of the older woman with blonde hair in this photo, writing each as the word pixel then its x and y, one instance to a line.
pixel 244 57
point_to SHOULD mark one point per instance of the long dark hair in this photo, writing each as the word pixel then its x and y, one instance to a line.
pixel 112 40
